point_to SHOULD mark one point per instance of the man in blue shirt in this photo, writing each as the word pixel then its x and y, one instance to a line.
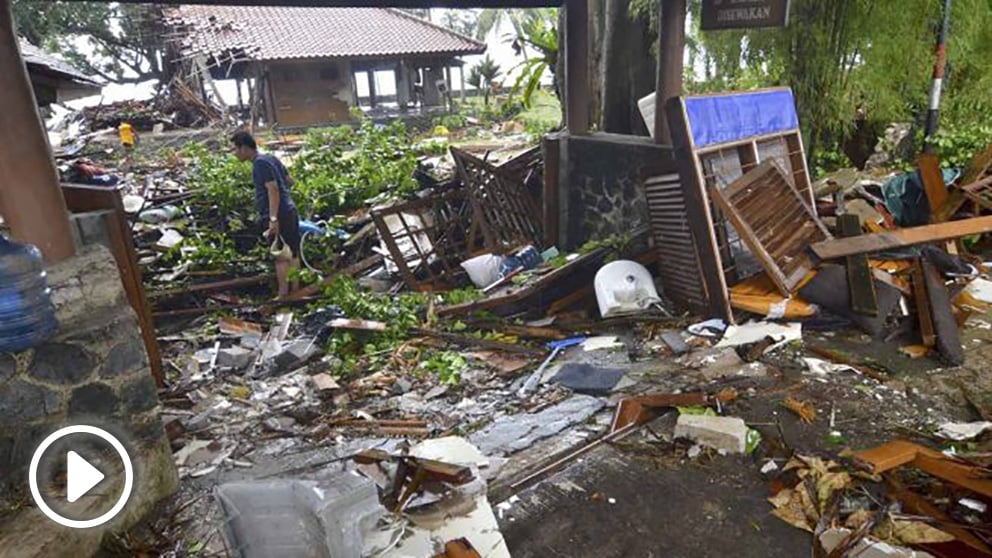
pixel 272 200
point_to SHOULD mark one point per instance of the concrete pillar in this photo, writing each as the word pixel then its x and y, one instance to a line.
pixel 577 66
pixel 371 77
pixel 671 48
pixel 461 84
pixel 432 97
pixel 402 85
pixel 30 194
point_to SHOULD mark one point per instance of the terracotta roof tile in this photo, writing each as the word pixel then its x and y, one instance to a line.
pixel 278 32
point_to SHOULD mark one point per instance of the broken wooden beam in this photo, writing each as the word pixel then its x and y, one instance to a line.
pixel 900 452
pixel 944 324
pixel 859 276
pixel 436 470
pixel 864 244
pixel 924 314
pixel 214 286
pixel 933 181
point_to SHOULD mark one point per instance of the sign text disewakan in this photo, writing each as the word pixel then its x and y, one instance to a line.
pixel 744 14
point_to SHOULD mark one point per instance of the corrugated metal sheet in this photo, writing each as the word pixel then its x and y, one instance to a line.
pixel 678 265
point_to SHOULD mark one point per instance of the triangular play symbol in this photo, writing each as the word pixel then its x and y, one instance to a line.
pixel 81 477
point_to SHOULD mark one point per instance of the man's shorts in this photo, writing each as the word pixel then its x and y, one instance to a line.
pixel 289 229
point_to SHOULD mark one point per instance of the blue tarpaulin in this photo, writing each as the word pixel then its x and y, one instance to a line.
pixel 717 119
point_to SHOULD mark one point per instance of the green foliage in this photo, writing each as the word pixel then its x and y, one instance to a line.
pixel 451 121
pixel 108 39
pixel 400 312
pixel 220 180
pixel 848 56
pixel 482 75
pixel 460 296
pixel 957 144
pixel 541 34
pixel 827 161
pixel 448 366
pixel 340 169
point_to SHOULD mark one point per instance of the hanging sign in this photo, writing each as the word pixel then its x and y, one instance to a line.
pixel 744 14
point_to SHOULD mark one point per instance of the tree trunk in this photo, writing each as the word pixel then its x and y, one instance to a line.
pixel 597 28
pixel 628 69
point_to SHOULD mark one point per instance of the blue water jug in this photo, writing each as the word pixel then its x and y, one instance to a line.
pixel 27 316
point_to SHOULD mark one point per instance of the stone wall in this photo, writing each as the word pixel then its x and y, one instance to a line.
pixel 599 193
pixel 94 371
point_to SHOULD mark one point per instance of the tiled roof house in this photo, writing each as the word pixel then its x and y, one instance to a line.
pixel 305 58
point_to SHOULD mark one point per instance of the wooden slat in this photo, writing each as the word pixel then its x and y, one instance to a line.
pixel 678 264
pixel 777 231
pixel 859 278
pixel 841 247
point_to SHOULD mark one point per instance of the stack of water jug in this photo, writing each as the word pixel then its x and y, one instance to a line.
pixel 27 316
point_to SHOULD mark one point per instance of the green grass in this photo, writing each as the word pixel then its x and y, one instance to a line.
pixel 544 113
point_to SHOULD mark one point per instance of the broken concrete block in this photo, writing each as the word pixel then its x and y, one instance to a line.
pixel 234 357
pixel 720 433
pixel 324 383
pixel 296 355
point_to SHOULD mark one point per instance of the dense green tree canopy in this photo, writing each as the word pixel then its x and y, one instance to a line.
pixel 118 42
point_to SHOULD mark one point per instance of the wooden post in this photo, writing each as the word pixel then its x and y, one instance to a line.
pixel 29 184
pixel 577 66
pixel 671 49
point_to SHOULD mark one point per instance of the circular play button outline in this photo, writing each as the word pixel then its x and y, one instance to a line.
pixel 103 435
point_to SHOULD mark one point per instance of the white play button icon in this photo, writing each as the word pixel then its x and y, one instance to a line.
pixel 81 477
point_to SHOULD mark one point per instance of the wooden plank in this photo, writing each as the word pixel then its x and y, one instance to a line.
pixel 933 181
pixel 924 314
pixel 214 286
pixel 944 324
pixel 864 244
pixel 859 277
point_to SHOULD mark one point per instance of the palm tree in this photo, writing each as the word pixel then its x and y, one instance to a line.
pixel 539 32
pixel 481 76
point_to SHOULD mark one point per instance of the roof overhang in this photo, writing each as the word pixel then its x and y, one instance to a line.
pixel 451 4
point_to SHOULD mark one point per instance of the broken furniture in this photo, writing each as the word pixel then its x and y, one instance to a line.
pixel 412 473
pixel 774 222
pixel 490 212
pixel 507 213
pixel 428 238
pixel 718 139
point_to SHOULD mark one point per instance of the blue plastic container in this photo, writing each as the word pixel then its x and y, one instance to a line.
pixel 27 316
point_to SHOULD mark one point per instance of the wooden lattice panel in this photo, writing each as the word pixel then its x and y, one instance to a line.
pixel 507 214
pixel 774 221
pixel 679 268
pixel 428 238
